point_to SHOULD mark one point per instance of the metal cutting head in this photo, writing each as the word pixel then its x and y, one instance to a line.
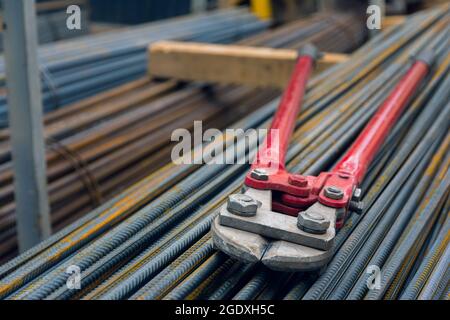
pixel 278 241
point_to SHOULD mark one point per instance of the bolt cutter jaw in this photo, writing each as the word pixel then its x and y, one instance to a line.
pixel 274 254
pixel 241 245
pixel 272 238
pixel 290 257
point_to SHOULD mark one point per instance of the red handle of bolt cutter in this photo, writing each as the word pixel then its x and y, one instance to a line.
pixel 364 149
pixel 272 152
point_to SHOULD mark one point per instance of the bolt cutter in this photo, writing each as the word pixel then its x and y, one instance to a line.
pixel 289 221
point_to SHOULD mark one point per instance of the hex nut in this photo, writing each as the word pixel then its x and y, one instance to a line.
pixel 259 174
pixel 242 205
pixel 298 181
pixel 357 194
pixel 356 206
pixel 312 222
pixel 334 193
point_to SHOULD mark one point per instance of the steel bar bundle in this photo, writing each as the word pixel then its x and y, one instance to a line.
pixel 52 27
pixel 153 242
pixel 79 68
pixel 101 145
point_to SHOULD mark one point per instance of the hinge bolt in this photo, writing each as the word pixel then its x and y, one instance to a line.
pixel 357 194
pixel 356 206
pixel 298 181
pixel 312 222
pixel 242 205
pixel 334 193
pixel 259 174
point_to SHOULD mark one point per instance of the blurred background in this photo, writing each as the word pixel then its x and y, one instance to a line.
pixel 101 13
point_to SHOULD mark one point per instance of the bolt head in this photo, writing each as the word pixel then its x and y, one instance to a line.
pixel 314 215
pixel 242 205
pixel 356 206
pixel 298 181
pixel 333 193
pixel 259 174
pixel 357 194
pixel 312 222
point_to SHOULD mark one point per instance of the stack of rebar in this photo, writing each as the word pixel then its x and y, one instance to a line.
pixel 75 69
pixel 101 145
pixel 52 27
pixel 153 241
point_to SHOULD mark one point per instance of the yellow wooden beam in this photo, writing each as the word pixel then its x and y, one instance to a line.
pixel 228 64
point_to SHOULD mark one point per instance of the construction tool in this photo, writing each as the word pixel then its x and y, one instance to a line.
pixel 289 221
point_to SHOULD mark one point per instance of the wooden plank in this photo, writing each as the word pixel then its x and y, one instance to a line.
pixel 330 59
pixel 227 64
